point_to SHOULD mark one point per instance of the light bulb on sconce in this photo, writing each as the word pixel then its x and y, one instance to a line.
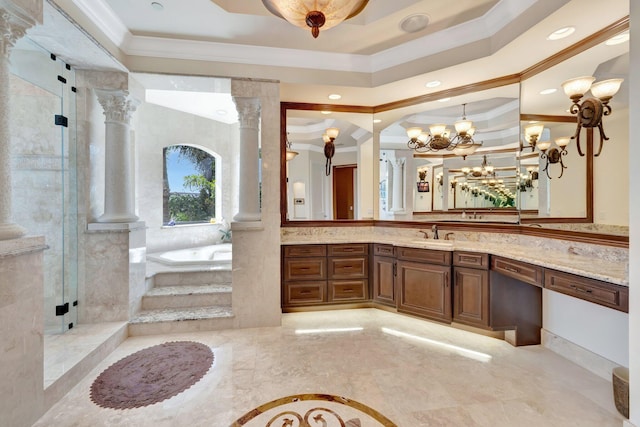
pixel 532 134
pixel 329 137
pixel 589 112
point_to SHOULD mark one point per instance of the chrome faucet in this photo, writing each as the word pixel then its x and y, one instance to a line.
pixel 434 228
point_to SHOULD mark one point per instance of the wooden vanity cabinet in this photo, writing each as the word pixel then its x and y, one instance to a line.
pixel 384 268
pixel 324 274
pixel 423 283
pixel 595 291
pixel 471 289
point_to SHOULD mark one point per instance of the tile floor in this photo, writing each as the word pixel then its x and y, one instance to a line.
pixel 415 372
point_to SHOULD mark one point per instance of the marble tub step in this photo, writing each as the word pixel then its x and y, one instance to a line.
pixel 187 296
pixel 174 320
pixel 181 278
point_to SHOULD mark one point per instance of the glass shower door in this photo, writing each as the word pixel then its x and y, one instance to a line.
pixel 43 172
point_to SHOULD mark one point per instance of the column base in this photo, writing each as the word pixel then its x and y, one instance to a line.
pixel 118 218
pixel 11 231
pixel 247 217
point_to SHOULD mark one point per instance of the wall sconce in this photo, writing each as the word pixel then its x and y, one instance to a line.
pixel 532 134
pixel 290 154
pixel 440 180
pixel 329 137
pixel 423 184
pixel 591 110
pixel 554 155
pixel 454 183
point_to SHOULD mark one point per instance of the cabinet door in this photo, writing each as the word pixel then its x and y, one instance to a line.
pixel 423 290
pixel 384 290
pixel 471 296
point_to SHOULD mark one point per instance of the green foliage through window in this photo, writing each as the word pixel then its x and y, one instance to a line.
pixel 194 199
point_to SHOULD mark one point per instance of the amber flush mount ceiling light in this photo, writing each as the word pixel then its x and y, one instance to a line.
pixel 315 14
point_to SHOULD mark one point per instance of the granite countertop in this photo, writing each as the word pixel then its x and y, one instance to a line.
pixel 615 272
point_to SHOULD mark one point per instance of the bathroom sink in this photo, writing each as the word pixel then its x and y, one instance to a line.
pixel 432 243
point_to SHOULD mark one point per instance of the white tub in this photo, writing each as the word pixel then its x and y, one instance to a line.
pixel 203 255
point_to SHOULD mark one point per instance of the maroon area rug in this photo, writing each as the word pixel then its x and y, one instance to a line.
pixel 151 375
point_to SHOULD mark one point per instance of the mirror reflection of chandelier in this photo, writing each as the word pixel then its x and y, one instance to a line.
pixel 439 137
pixel 315 14
pixel 484 170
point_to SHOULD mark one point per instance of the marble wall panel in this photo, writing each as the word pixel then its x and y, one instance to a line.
pixel 256 251
pixel 21 328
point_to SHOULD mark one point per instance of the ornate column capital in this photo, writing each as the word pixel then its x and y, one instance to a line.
pixel 12 28
pixel 399 161
pixel 117 105
pixel 248 111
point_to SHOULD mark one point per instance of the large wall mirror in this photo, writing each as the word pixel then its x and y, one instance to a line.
pixel 338 187
pixel 437 183
pixel 387 180
pixel 589 189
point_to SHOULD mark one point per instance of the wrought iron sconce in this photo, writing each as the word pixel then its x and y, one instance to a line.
pixel 423 184
pixel 329 147
pixel 290 154
pixel 532 134
pixel 589 112
pixel 554 155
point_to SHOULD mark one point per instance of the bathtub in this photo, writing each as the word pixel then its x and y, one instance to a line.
pixel 204 255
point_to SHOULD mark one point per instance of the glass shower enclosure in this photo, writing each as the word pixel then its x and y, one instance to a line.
pixel 43 165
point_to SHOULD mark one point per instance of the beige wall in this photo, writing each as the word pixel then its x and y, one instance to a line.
pixel 157 127
pixel 611 171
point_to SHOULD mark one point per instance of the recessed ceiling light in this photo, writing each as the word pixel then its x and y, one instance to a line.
pixel 548 91
pixel 157 5
pixel 377 120
pixel 414 23
pixel 620 38
pixel 444 99
pixel 561 33
pixel 325 112
pixel 335 96
pixel 221 112
pixel 433 83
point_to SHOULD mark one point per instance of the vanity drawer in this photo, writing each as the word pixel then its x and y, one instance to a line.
pixel 305 269
pixel 518 270
pixel 607 294
pixel 347 290
pixel 348 268
pixel 471 259
pixel 304 293
pixel 424 255
pixel 305 250
pixel 383 250
pixel 349 249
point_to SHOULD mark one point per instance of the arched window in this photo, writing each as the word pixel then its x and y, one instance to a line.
pixel 191 192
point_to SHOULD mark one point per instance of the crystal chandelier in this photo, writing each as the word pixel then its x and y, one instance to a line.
pixel 315 14
pixel 439 137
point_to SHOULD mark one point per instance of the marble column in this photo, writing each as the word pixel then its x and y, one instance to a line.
pixel 119 191
pixel 397 196
pixel 249 203
pixel 12 28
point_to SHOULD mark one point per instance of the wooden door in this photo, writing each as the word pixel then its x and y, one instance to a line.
pixel 383 280
pixel 471 296
pixel 423 290
pixel 343 192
